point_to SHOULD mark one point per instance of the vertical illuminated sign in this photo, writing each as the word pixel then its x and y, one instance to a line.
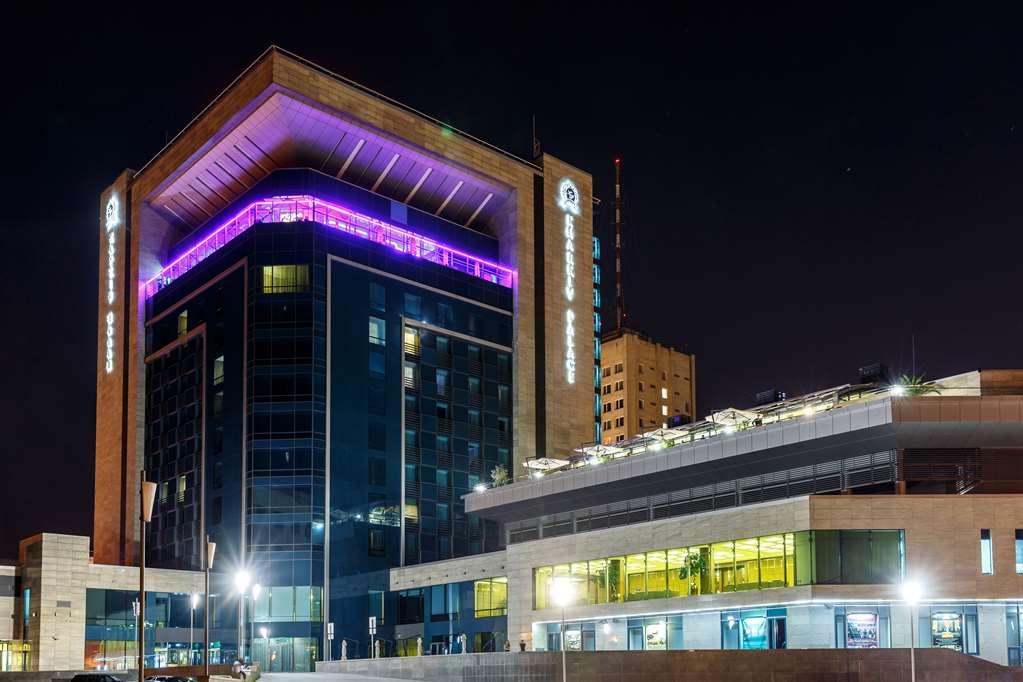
pixel 112 220
pixel 568 202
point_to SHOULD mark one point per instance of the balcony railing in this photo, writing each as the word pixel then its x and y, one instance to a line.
pixel 289 209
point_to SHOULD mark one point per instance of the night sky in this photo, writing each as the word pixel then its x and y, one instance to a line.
pixel 806 188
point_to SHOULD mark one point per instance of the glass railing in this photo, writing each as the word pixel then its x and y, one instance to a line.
pixel 288 209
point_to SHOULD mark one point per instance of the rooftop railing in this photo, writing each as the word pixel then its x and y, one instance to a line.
pixel 289 209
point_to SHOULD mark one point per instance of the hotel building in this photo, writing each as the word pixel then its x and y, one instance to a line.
pixel 791 525
pixel 643 385
pixel 324 318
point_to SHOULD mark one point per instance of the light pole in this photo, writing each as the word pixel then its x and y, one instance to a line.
pixel 211 549
pixel 911 594
pixel 561 591
pixel 242 580
pixel 256 590
pixel 147 493
pixel 193 602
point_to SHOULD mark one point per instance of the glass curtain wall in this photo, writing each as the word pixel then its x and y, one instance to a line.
pixel 782 560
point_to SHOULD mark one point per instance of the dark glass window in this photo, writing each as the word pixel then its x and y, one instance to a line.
pixel 377 437
pixel 413 305
pixel 376 541
pixel 377 296
pixel 377 471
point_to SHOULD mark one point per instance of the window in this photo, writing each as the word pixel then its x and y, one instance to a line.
pixel 664 393
pixel 606 372
pixel 377 471
pixel 664 410
pixel 619 368
pixel 377 297
pixel 986 555
pixel 639 369
pixel 182 323
pixel 607 407
pixel 218 370
pixel 491 597
pixel 640 423
pixel 445 315
pixel 620 404
pixel 1019 550
pixel 607 389
pixel 619 422
pixel 412 340
pixel 641 403
pixel 503 397
pixel 409 374
pixel 376 363
pixel 664 376
pixel 620 438
pixel 442 382
pixel 216 510
pixel 282 279
pixel 375 542
pixel 413 305
pixel 619 385
pixel 377 331
pixel 607 426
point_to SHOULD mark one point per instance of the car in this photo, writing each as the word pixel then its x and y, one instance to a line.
pixel 95 677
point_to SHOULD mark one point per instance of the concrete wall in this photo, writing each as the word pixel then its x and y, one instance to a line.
pixel 932 665
pixel 7 599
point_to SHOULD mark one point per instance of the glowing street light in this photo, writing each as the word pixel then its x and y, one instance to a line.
pixel 561 593
pixel 898 390
pixel 911 593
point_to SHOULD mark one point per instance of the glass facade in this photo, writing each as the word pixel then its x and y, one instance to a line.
pixel 174 631
pixel 787 559
pixel 476 609
pixel 296 348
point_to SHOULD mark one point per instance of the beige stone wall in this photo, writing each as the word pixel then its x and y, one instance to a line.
pixel 654 366
pixel 570 421
pixel 57 569
pixel 7 573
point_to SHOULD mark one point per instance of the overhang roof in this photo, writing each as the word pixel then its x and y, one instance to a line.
pixel 278 115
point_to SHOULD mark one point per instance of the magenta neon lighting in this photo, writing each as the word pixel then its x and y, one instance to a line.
pixel 289 209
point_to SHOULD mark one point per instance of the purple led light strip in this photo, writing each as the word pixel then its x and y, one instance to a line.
pixel 288 209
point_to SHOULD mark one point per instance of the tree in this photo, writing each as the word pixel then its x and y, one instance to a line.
pixel 499 475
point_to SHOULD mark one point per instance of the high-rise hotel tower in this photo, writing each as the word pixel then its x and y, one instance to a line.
pixel 323 318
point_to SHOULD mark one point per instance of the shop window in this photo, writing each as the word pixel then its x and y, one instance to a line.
pixel 987 566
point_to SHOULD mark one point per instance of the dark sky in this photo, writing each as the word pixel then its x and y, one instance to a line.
pixel 806 187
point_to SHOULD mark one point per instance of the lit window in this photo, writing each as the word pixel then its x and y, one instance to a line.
pixel 279 279
pixel 664 393
pixel 218 370
pixel 986 555
pixel 182 323
pixel 664 410
pixel 641 403
pixel 1019 550
pixel 377 331
pixel 182 486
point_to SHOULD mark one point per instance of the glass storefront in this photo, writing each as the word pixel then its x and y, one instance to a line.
pixel 949 626
pixel 754 629
pixel 862 626
pixel 1012 632
pixel 782 560
pixel 14 655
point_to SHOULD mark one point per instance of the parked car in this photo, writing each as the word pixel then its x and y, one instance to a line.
pixel 95 677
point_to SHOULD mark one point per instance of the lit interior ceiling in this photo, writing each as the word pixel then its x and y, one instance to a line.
pixel 287 131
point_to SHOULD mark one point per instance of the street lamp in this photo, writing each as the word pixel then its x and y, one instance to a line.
pixel 561 593
pixel 147 493
pixel 911 593
pixel 211 549
pixel 193 601
pixel 242 580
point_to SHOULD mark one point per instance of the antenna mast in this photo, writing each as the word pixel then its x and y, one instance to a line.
pixel 620 317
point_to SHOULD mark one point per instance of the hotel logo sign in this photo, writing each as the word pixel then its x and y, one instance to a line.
pixel 112 219
pixel 569 203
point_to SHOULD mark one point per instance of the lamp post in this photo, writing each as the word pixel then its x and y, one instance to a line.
pixel 211 548
pixel 193 602
pixel 147 493
pixel 256 590
pixel 561 591
pixel 911 595
pixel 242 580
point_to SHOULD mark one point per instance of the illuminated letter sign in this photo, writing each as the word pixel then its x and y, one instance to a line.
pixel 568 202
pixel 113 219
